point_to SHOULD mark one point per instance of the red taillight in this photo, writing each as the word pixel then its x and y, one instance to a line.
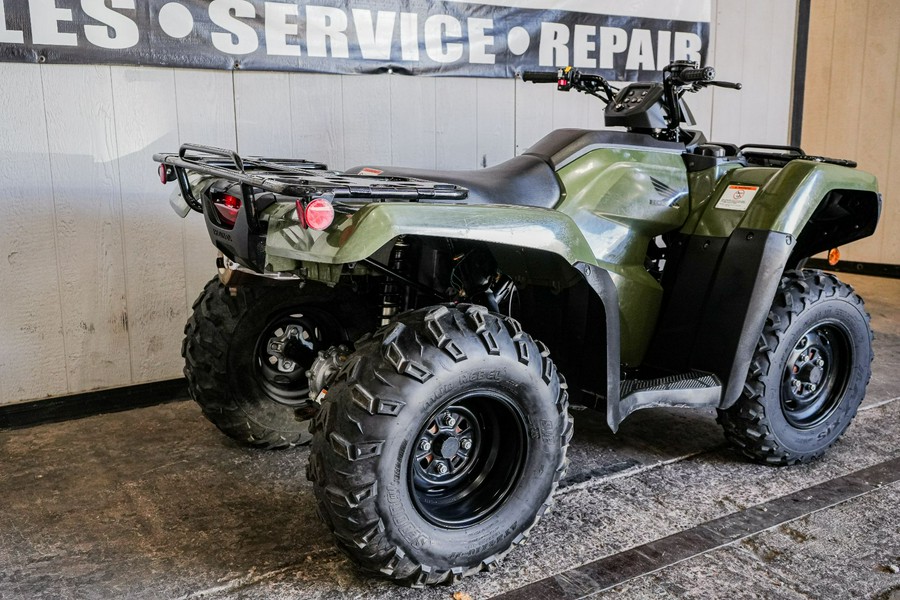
pixel 319 214
pixel 300 217
pixel 228 208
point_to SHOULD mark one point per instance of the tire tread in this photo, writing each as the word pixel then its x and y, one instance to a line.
pixel 746 424
pixel 335 475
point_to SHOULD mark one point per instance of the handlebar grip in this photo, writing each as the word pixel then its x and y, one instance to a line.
pixel 704 74
pixel 540 76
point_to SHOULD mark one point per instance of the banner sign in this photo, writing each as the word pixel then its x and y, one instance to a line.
pixel 623 41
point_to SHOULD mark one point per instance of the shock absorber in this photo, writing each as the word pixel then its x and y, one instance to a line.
pixel 393 295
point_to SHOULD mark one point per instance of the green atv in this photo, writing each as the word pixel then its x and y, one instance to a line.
pixel 396 314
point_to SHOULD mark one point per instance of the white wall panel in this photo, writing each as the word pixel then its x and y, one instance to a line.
pixel 456 123
pixel 495 117
pixel 204 106
pixel 413 121
pixel 263 113
pixel 317 118
pixel 753 45
pixel 89 229
pixel 146 122
pixel 32 352
pixel 534 112
pixel 97 274
pixel 367 119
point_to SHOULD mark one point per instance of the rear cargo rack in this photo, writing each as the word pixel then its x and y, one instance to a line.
pixel 778 156
pixel 301 179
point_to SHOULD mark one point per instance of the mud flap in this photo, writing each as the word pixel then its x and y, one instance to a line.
pixel 738 302
pixel 718 300
pixel 600 281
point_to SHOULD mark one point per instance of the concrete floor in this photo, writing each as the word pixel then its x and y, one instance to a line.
pixel 155 503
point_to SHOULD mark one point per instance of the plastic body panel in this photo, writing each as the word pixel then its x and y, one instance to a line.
pixel 727 264
pixel 620 198
pixel 359 235
pixel 786 200
pixel 616 198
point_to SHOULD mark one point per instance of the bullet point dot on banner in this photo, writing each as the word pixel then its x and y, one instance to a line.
pixel 517 40
pixel 176 20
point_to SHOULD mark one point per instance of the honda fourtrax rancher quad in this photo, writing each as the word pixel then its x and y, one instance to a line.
pixel 406 318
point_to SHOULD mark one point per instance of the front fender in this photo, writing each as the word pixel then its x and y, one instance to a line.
pixel 360 235
pixel 787 202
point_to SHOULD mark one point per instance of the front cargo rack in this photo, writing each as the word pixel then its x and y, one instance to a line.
pixel 770 155
pixel 300 179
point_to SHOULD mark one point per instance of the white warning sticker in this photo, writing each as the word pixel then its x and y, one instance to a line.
pixel 737 197
pixel 370 171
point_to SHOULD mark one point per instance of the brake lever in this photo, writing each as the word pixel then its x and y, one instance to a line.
pixel 725 84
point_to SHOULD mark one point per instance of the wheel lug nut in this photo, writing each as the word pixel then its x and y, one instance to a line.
pixel 820 363
pixel 466 444
pixel 424 445
pixel 442 469
pixel 811 387
pixel 449 421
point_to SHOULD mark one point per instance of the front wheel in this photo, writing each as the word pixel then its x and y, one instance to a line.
pixel 809 374
pixel 440 444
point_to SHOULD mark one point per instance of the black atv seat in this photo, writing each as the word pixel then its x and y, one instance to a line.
pixel 525 180
pixel 530 179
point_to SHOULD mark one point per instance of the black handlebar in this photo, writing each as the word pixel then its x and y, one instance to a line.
pixel 540 76
pixel 691 75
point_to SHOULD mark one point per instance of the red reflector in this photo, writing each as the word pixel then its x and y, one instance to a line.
pixel 162 174
pixel 228 208
pixel 319 214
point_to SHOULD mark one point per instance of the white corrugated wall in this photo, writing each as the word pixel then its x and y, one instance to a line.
pixel 97 274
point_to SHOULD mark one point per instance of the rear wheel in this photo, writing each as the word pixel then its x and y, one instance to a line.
pixel 440 444
pixel 246 355
pixel 809 373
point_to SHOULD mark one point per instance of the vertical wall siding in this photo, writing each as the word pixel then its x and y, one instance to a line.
pixel 851 106
pixel 204 111
pixel 32 352
pixel 97 274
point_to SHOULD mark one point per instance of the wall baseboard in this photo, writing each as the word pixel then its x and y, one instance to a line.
pixel 88 404
pixel 860 268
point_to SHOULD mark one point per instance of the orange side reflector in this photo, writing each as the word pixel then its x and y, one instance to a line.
pixel 834 255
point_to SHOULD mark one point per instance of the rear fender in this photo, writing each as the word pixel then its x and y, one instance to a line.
pixel 514 234
pixel 360 235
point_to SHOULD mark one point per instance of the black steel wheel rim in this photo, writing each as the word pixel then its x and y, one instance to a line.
pixel 816 375
pixel 467 459
pixel 286 349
